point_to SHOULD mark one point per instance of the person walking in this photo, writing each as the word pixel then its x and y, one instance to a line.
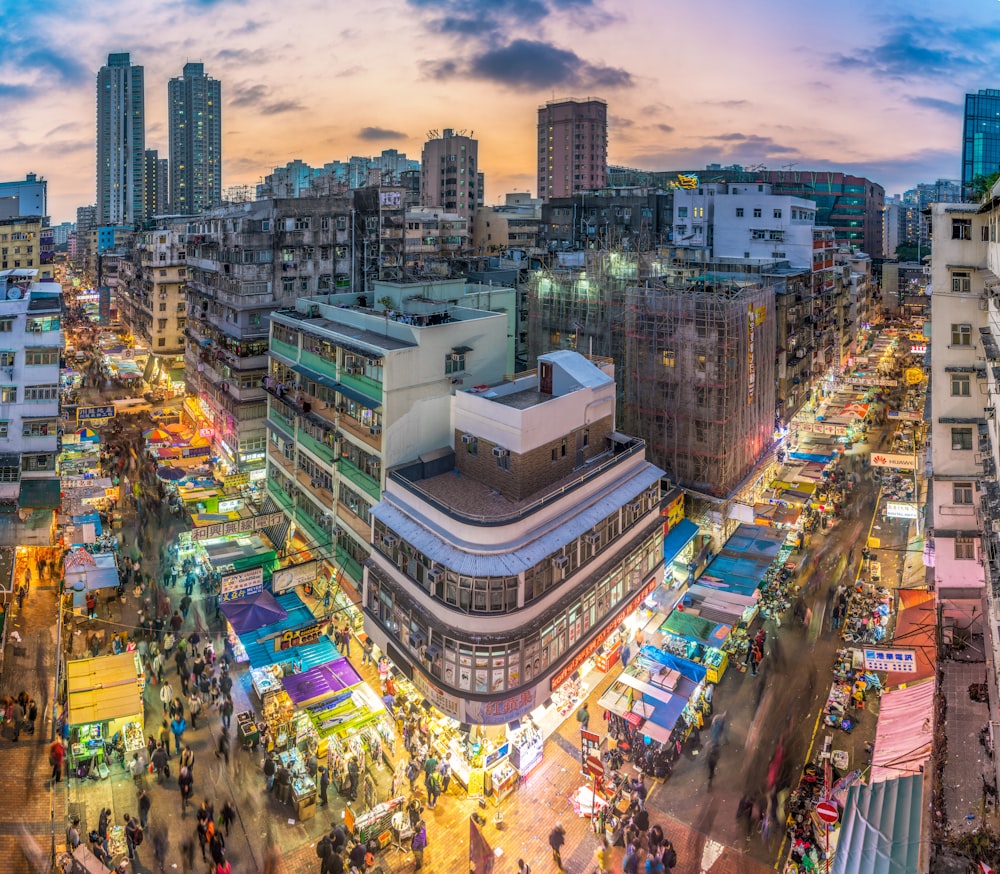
pixel 145 802
pixel 17 719
pixel 57 755
pixel 366 651
pixel 270 769
pixel 178 726
pixel 433 789
pixel 159 762
pixel 166 692
pixel 194 706
pixel 418 845
pixel 227 712
pixel 712 760
pixel 223 748
pixel 604 857
pixel 557 837
pixel 228 815
pixel 164 737
pixel 324 786
pixel 185 781
pixel 187 759
pixel 133 836
pixel 583 716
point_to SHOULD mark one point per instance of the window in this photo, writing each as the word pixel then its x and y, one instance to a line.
pixel 163 307
pixel 961 229
pixel 961 493
pixel 38 429
pixel 341 223
pixel 961 335
pixel 669 358
pixel 4 424
pixel 454 362
pixel 40 325
pixel 7 359
pixel 41 393
pixel 6 325
pixel 324 223
pixel 965 549
pixel 961 283
pixel 961 438
pixel 8 394
pixel 757 212
pixel 34 357
pixel 961 385
pixel 682 212
pixel 38 462
pixel 503 461
pixel 777 213
pixel 161 341
pixel 302 223
pixel 739 212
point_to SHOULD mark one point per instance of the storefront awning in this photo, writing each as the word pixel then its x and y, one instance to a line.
pixel 680 536
pixel 904 733
pixel 103 688
pixel 881 828
pixel 257 611
pixel 39 494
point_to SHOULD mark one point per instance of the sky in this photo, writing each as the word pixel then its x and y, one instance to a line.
pixel 869 88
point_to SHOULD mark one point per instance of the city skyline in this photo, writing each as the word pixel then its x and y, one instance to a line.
pixel 760 93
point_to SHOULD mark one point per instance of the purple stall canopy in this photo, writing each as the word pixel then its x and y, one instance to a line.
pixel 256 611
pixel 328 679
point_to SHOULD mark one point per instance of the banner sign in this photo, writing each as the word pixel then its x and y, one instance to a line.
pixel 297 637
pixel 239 526
pixel 896 510
pixel 908 415
pixel 242 584
pixel 892 459
pixel 290 577
pixel 870 380
pixel 893 658
pixel 822 428
pixel 94 412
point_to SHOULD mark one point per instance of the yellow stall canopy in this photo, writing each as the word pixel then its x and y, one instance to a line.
pixel 102 689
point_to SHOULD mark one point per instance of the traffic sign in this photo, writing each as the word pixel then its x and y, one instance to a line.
pixel 594 765
pixel 827 812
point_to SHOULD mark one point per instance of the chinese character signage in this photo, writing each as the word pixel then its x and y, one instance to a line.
pixel 902 661
pixel 83 413
pixel 240 526
pixel 297 637
pixel 242 584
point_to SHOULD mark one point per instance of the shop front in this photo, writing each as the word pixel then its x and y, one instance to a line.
pixel 103 705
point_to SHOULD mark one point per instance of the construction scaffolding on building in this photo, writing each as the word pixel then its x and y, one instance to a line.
pixel 579 303
pixel 699 378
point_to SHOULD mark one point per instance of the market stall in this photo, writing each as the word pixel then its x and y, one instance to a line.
pixel 87 572
pixel 696 639
pixel 103 699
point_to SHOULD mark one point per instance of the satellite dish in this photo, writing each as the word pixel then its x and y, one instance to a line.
pixel 13 293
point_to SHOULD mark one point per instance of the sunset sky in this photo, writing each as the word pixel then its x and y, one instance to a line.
pixel 870 88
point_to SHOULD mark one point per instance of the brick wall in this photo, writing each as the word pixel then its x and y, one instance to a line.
pixel 534 470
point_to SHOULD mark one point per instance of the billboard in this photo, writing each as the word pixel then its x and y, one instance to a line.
pixel 290 577
pixel 893 459
pixel 242 584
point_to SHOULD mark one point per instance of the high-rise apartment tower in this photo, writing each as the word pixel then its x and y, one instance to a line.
pixel 195 122
pixel 572 147
pixel 121 142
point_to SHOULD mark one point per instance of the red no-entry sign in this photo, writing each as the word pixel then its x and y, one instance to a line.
pixel 827 812
pixel 595 766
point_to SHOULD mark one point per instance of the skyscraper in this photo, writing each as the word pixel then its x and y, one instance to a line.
pixel 980 136
pixel 121 142
pixel 195 110
pixel 572 147
pixel 450 175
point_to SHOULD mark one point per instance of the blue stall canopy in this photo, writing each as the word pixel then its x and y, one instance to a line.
pixel 685 667
pixel 811 456
pixel 745 558
pixel 678 537
pixel 260 643
pixel 880 829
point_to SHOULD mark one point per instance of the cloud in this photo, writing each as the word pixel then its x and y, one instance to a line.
pixel 350 71
pixel 380 133
pixel 665 128
pixel 248 95
pixel 242 56
pixel 920 48
pixel 280 106
pixel 488 21
pixel 530 65
pixel 728 104
pixel 948 107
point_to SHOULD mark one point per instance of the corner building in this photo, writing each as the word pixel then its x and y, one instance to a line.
pixel 501 563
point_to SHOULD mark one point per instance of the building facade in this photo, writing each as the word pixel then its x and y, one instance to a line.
pixel 501 562
pixel 195 132
pixel 21 246
pixel 30 196
pixel 121 142
pixel 354 389
pixel 157 197
pixel 450 177
pixel 572 147
pixel 633 219
pixel 980 136
pixel 510 228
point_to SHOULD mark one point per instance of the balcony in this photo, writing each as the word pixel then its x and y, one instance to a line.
pixel 286 350
pixel 283 423
pixel 368 387
pixel 346 515
pixel 350 565
pixel 322 496
pixel 352 426
pixel 321 365
pixel 320 450
pixel 355 475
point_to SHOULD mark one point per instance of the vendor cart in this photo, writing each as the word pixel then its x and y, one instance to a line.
pixel 247 730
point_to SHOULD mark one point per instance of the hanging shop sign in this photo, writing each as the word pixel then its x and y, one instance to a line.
pixel 897 510
pixel 751 360
pixel 448 704
pixel 242 584
pixel 908 415
pixel 297 637
pixel 891 658
pixel 893 459
pixel 231 505
pixel 83 413
pixel 822 428
pixel 599 638
pixel 290 577
pixel 238 526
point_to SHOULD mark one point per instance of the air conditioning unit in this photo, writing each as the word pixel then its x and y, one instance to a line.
pixel 592 537
pixel 289 447
pixel 375 430
pixel 355 369
pixel 635 506
pixel 468 438
pixel 341 408
pixel 560 561
pixel 436 575
pixel 373 362
pixel 338 531
pixel 389 540
pixel 500 452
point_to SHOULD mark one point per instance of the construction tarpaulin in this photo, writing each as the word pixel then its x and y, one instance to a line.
pixel 904 732
pixel 880 829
